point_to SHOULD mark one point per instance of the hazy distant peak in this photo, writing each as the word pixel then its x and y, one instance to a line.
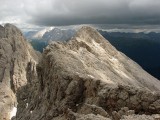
pixel 56 29
pixel 39 34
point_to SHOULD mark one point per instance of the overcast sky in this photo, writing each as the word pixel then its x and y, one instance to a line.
pixel 36 13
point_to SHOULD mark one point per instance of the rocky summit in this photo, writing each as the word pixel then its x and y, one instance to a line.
pixel 85 78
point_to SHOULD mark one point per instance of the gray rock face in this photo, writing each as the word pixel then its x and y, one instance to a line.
pixel 86 78
pixel 15 56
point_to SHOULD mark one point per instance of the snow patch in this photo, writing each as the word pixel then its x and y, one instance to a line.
pixel 13 112
pixel 26 105
pixel 90 76
pixel 77 73
pixel 98 47
pixel 103 77
pixel 122 73
pixel 114 59
pixel 116 65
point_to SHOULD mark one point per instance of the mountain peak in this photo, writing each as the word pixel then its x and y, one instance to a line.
pixel 89 34
pixel 56 29
pixel 88 31
pixel 11 30
pixel 93 41
pixel 100 60
pixel 10 26
pixel 87 28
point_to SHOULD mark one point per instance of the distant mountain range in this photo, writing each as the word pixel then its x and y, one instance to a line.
pixel 149 36
pixel 51 34
pixel 40 39
pixel 141 47
pixel 57 34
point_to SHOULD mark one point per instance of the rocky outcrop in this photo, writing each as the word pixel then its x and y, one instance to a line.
pixel 15 56
pixel 86 78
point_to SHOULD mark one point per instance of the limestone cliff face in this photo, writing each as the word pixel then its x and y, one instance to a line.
pixel 15 56
pixel 86 78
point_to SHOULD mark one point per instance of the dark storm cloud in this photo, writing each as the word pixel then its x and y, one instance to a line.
pixel 66 12
pixel 69 12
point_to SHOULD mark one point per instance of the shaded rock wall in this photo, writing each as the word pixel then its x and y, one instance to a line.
pixel 15 55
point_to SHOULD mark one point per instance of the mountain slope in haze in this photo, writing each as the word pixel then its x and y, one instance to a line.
pixel 37 34
pixel 142 48
pixel 87 78
pixel 40 34
pixel 29 35
pixel 15 56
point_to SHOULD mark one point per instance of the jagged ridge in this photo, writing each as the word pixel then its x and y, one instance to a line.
pixel 85 77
